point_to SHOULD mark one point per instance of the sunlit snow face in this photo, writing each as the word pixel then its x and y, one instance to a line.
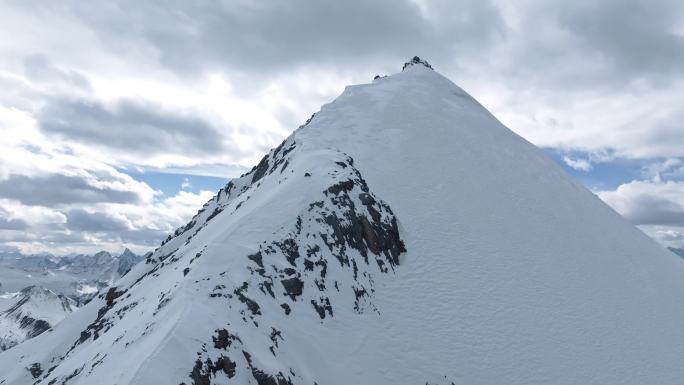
pixel 117 125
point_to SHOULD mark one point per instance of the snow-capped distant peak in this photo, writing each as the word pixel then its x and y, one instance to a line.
pixel 36 310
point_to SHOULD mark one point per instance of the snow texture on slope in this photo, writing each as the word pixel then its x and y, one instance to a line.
pixel 401 236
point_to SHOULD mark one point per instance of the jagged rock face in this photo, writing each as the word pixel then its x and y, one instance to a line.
pixel 36 310
pixel 127 260
pixel 401 236
pixel 416 61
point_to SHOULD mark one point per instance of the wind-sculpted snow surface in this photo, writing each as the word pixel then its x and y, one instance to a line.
pixel 401 236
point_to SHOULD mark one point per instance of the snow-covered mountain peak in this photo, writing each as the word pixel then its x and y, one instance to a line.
pixel 402 235
pixel 127 260
pixel 35 310
pixel 37 292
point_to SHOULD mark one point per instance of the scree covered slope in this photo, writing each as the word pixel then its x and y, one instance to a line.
pixel 401 236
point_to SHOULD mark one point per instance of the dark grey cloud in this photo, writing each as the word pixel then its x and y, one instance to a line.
pixel 545 43
pixel 636 38
pixel 107 228
pixel 56 237
pixel 586 45
pixel 275 36
pixel 55 189
pixel 81 228
pixel 131 126
pixel 13 224
pixel 653 210
pixel 144 236
pixel 82 220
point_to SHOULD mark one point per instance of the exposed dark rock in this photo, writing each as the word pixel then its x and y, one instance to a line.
pixel 322 306
pixel 113 294
pixel 35 370
pixel 33 326
pixel 256 257
pixel 414 61
pixel 285 307
pixel 224 339
pixel 260 169
pixel 198 375
pixel 251 304
pixel 226 365
pixel 293 287
pixel 337 188
pixel 263 378
pixel 216 212
pixel 289 249
pixel 267 287
pixel 275 334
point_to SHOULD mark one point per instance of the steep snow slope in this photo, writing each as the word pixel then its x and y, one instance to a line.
pixel 401 236
pixel 34 311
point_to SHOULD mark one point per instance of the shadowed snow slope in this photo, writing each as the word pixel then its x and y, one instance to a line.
pixel 401 236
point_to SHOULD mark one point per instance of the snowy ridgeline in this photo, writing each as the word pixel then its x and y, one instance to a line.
pixel 401 236
pixel 38 291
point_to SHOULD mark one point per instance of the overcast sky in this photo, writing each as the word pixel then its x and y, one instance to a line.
pixel 119 119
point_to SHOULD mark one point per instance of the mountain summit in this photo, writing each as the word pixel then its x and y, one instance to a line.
pixel 401 236
pixel 33 311
pixel 414 61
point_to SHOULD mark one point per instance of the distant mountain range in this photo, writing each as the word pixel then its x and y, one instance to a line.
pixel 77 276
pixel 37 291
pixel 678 251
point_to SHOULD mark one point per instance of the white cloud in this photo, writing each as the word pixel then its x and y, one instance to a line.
pixel 186 184
pixel 90 228
pixel 656 206
pixel 68 201
pixel 670 168
pixel 578 164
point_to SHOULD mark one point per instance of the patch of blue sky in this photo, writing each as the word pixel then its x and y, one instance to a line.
pixel 605 174
pixel 170 184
